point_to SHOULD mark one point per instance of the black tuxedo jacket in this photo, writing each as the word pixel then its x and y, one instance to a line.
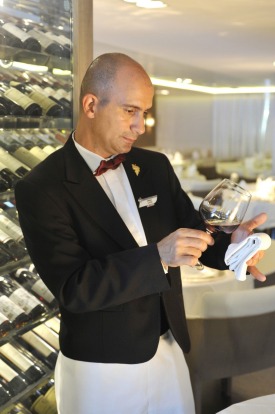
pixel 108 288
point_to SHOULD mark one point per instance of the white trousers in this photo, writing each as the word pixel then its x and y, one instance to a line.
pixel 159 386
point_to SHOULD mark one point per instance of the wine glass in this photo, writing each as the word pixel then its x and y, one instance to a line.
pixel 224 208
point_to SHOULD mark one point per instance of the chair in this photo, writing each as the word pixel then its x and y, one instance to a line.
pixel 234 336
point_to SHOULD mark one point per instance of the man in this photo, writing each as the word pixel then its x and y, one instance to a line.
pixel 102 243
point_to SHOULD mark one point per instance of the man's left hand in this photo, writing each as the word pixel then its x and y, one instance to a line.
pixel 243 231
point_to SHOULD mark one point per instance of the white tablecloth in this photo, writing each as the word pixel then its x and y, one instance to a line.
pixel 260 405
pixel 196 282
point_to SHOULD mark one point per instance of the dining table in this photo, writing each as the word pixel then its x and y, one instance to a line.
pixel 195 283
pixel 260 405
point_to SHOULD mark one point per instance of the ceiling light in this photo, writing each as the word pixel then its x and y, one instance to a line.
pixel 213 90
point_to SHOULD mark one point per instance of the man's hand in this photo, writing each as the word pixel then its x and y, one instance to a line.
pixel 243 231
pixel 184 247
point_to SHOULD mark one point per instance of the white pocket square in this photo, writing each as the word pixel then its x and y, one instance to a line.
pixel 238 254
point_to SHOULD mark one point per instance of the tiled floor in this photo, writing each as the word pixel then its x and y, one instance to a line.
pixel 243 388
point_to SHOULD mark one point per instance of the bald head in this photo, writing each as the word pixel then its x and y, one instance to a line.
pixel 101 75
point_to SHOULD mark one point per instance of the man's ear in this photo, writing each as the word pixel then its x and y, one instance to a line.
pixel 89 102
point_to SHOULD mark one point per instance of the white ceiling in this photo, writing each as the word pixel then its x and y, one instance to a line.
pixel 214 42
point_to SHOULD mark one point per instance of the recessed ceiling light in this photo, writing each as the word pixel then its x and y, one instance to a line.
pixel 148 4
pixel 151 4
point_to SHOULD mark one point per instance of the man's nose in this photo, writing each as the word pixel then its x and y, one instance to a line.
pixel 139 125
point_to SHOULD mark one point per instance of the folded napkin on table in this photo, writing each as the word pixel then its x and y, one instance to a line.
pixel 238 254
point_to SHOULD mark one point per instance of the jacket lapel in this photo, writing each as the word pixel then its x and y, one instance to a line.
pixel 88 193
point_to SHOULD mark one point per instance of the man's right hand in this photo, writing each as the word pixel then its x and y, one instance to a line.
pixel 184 247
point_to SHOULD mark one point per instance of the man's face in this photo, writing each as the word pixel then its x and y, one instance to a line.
pixel 117 125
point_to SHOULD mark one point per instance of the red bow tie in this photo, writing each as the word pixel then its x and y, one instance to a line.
pixel 112 164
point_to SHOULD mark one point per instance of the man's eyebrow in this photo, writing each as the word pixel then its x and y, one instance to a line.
pixel 135 107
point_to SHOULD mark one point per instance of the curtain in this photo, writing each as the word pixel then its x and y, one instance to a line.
pixel 242 126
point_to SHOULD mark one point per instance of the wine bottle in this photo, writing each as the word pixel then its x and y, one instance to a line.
pixel 27 41
pixel 54 324
pixel 30 107
pixel 5 257
pixel 3 110
pixel 39 403
pixel 46 333
pixel 5 325
pixel 31 371
pixel 48 45
pixel 32 282
pixel 8 39
pixel 11 380
pixel 10 209
pixel 26 157
pixel 11 247
pixel 21 297
pixel 5 395
pixel 11 107
pixel 64 42
pixel 13 163
pixel 4 186
pixel 11 228
pixel 7 175
pixel 59 100
pixel 49 106
pixel 13 312
pixel 18 409
pixel 41 349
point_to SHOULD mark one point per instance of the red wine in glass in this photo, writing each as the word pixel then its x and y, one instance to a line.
pixel 224 208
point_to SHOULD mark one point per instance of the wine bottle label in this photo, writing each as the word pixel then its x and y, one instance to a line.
pixel 18 97
pixel 20 360
pixel 37 343
pixel 24 299
pixel 11 28
pixel 26 157
pixel 3 318
pixel 54 324
pixel 48 149
pixel 42 100
pixel 50 396
pixel 41 289
pixel 11 162
pixel 4 237
pixel 9 308
pixel 39 153
pixel 12 229
pixel 42 406
pixel 7 372
pixel 2 166
pixel 48 335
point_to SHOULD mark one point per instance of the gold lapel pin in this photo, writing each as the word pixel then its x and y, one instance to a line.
pixel 136 168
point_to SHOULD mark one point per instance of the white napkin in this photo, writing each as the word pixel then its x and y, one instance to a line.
pixel 238 254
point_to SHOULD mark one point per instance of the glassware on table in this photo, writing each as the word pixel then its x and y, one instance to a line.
pixel 224 208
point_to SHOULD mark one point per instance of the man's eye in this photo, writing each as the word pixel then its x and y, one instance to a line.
pixel 130 111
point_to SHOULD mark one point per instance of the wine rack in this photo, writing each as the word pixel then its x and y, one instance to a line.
pixel 37 66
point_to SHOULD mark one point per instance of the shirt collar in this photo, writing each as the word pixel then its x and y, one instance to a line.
pixel 91 158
